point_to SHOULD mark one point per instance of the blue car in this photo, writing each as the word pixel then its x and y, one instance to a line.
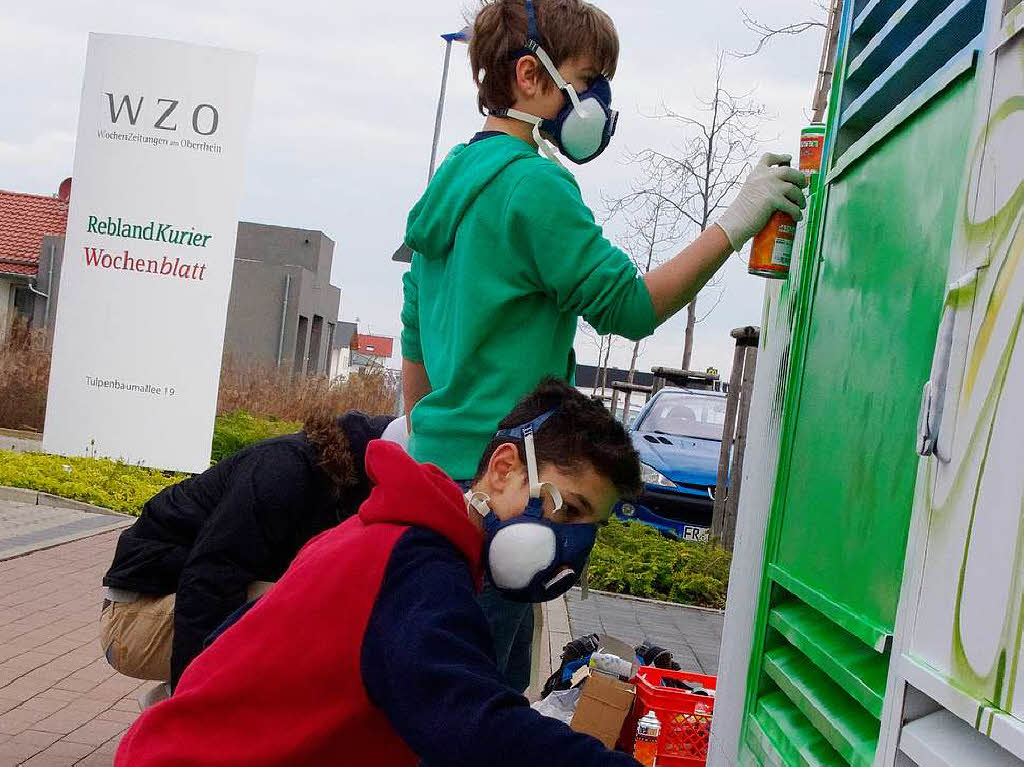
pixel 678 435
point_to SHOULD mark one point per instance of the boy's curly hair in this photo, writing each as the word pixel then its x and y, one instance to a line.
pixel 567 29
pixel 580 431
pixel 334 453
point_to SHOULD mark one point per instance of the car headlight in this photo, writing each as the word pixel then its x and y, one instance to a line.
pixel 652 476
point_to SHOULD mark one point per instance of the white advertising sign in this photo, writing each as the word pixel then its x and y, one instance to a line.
pixel 149 251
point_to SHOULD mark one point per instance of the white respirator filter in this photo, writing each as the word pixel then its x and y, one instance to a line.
pixel 583 129
pixel 518 552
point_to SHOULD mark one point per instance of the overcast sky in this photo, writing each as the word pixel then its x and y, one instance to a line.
pixel 344 111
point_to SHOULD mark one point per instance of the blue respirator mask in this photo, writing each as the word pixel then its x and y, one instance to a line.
pixel 529 558
pixel 585 124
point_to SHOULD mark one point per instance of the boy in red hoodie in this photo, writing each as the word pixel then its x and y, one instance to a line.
pixel 372 648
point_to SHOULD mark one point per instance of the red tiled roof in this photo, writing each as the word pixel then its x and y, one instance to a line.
pixel 7 267
pixel 378 346
pixel 24 220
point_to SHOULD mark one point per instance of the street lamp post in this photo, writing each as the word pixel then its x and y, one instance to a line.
pixel 403 253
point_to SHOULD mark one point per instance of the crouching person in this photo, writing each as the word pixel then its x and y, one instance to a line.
pixel 372 648
pixel 203 547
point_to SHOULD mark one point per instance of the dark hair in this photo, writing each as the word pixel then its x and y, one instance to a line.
pixel 567 29
pixel 581 431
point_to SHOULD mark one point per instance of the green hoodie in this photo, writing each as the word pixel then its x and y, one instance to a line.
pixel 507 257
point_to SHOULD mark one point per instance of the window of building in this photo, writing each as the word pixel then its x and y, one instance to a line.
pixel 301 336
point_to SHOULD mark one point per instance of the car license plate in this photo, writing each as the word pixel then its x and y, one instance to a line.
pixel 694 533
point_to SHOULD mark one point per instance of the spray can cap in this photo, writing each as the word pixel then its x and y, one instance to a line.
pixel 650 718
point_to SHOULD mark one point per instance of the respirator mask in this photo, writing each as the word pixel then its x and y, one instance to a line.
pixel 586 123
pixel 530 558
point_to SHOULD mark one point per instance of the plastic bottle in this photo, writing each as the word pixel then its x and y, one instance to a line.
pixel 648 731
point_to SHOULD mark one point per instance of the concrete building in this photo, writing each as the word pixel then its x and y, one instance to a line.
pixel 283 308
pixel 341 353
pixel 368 351
pixel 282 311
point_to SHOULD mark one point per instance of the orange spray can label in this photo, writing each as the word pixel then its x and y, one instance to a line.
pixel 772 247
pixel 645 747
pixel 812 142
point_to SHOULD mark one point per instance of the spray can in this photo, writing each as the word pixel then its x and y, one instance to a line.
pixel 613 665
pixel 772 247
pixel 812 142
pixel 645 748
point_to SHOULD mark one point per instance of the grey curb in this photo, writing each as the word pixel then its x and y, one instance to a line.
pixel 39 498
pixel 632 598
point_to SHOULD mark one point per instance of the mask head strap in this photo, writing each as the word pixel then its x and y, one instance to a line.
pixel 531 23
pixel 479 502
pixel 542 143
pixel 525 433
pixel 533 47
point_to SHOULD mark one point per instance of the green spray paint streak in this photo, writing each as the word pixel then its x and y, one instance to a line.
pixel 995 231
pixel 978 683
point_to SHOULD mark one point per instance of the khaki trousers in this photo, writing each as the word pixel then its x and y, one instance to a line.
pixel 136 637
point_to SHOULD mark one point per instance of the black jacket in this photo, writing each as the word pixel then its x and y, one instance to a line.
pixel 243 520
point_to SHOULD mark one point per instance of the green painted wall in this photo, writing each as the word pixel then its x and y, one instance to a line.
pixel 851 460
pixel 867 310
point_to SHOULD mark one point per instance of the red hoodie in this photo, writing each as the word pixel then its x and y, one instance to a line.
pixel 237 703
pixel 370 651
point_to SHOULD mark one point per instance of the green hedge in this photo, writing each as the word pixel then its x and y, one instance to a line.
pixel 234 431
pixel 111 484
pixel 120 486
pixel 632 558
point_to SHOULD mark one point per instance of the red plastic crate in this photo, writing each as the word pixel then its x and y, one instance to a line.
pixel 685 718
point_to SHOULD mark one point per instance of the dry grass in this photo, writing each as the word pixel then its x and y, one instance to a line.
pixel 24 374
pixel 271 392
pixel 260 390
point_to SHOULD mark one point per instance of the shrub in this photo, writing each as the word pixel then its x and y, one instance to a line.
pixel 233 431
pixel 267 391
pixel 24 374
pixel 260 389
pixel 121 486
pixel 632 558
pixel 111 484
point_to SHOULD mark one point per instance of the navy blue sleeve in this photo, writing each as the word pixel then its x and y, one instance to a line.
pixel 428 663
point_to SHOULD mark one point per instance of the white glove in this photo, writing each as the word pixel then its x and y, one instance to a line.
pixel 769 187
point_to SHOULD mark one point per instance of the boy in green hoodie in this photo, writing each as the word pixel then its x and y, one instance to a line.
pixel 508 256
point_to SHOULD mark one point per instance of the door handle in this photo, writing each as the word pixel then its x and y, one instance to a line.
pixel 933 394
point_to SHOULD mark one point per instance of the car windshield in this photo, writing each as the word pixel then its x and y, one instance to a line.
pixel 686 415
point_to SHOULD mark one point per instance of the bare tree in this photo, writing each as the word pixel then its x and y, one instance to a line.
pixel 603 344
pixel 651 226
pixel 826 18
pixel 767 32
pixel 594 339
pixel 608 341
pixel 697 177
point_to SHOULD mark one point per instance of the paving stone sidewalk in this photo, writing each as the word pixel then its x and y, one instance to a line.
pixel 693 635
pixel 28 526
pixel 60 703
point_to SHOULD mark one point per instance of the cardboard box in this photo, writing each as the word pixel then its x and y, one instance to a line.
pixel 604 705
